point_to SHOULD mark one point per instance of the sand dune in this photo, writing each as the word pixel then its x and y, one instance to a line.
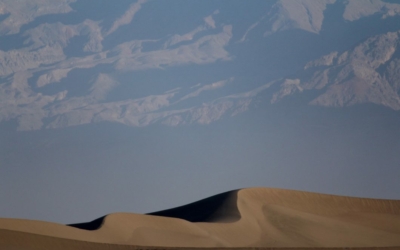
pixel 255 217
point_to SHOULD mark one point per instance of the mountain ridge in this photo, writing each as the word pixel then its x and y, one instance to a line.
pixel 40 86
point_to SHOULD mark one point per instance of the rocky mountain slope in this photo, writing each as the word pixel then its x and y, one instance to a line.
pixel 57 70
pixel 368 73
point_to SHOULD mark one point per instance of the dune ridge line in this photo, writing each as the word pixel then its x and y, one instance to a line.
pixel 253 218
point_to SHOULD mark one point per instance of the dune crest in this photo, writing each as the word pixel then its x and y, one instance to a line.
pixel 254 217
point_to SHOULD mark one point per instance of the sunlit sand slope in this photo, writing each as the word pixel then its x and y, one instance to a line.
pixel 256 217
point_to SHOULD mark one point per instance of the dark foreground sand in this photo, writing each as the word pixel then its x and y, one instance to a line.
pixel 256 218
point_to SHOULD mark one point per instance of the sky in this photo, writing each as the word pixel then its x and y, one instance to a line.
pixel 139 106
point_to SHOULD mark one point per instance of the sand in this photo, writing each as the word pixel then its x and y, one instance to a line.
pixel 247 218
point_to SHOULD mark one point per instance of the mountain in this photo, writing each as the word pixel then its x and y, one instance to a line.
pixel 368 73
pixel 59 68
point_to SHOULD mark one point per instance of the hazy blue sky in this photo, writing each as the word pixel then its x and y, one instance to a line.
pixel 132 106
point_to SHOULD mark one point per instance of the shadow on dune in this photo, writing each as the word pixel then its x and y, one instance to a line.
pixel 220 207
pixel 91 226
pixel 217 208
